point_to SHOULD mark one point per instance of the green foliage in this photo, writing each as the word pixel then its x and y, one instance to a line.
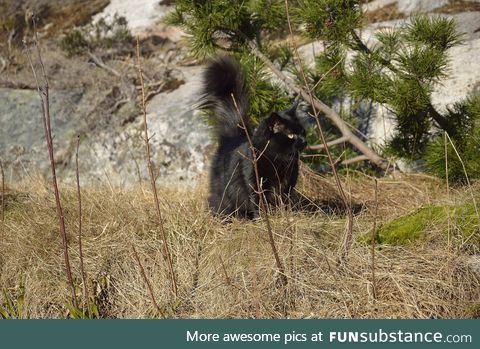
pixel 103 34
pixel 330 20
pixel 219 24
pixel 330 69
pixel 401 72
pixel 74 43
pixel 466 116
pixel 265 96
pixel 12 308
pixel 437 32
pixel 90 311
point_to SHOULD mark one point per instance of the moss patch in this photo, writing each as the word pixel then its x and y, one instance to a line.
pixel 407 229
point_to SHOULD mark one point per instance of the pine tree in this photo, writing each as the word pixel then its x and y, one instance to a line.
pixel 399 71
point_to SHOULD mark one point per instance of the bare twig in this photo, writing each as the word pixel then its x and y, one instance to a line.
pixel 3 191
pixel 147 282
pixel 446 162
pixel 448 188
pixel 80 246
pixel 374 240
pixel 262 201
pixel 45 103
pixel 311 99
pixel 153 179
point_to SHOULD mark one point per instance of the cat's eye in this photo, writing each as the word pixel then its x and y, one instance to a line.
pixel 291 135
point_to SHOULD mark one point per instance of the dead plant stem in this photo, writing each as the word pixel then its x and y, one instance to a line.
pixel 374 241
pixel 153 179
pixel 45 103
pixel 147 282
pixel 86 298
pixel 262 201
pixel 2 172
pixel 349 233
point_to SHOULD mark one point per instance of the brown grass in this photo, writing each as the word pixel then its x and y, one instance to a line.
pixel 226 270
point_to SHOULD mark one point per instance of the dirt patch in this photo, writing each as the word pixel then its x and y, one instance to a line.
pixel 53 16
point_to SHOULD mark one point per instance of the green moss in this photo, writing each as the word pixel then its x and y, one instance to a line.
pixel 407 229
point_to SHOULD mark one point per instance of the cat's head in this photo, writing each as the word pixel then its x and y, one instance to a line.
pixel 285 131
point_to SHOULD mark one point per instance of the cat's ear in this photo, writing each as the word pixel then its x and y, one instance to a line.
pixel 275 123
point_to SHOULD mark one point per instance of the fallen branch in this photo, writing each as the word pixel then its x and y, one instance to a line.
pixel 132 93
pixel 102 65
pixel 354 160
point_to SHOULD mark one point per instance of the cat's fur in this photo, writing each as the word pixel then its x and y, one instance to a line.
pixel 278 140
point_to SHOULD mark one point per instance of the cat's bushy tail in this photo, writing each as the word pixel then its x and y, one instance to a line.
pixel 225 95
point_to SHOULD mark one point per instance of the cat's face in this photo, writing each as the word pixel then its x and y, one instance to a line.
pixel 287 134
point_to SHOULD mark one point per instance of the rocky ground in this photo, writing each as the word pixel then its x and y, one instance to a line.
pixel 95 94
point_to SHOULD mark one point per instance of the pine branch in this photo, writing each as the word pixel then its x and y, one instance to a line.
pixel 329 112
pixel 441 120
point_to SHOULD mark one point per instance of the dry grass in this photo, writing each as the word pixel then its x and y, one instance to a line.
pixel 227 270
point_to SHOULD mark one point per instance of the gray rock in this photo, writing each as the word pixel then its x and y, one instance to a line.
pixel 22 138
pixel 179 140
pixel 140 14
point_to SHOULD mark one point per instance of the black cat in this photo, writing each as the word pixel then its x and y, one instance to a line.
pixel 278 141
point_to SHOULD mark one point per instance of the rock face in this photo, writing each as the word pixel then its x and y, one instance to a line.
pixel 93 102
pixel 141 14
pixel 179 140
pixel 22 142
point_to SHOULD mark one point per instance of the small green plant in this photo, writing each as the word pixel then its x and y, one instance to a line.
pixel 90 311
pixel 74 43
pixel 12 308
pixel 113 34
